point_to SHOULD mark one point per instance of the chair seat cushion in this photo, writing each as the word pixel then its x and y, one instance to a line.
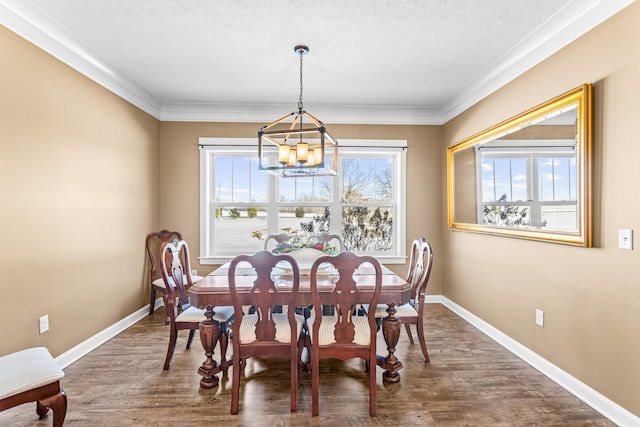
pixel 326 332
pixel 283 330
pixel 223 313
pixel 26 370
pixel 406 310
pixel 159 283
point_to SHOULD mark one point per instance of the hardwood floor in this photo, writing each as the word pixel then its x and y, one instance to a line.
pixel 471 381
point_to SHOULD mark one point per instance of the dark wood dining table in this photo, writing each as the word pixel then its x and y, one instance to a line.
pixel 213 290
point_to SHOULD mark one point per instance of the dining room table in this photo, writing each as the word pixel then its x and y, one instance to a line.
pixel 213 290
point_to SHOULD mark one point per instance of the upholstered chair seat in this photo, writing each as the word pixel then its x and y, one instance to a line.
pixel 283 332
pixel 222 314
pixel 326 334
pixel 159 283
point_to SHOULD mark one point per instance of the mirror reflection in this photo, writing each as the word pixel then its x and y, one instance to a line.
pixel 529 176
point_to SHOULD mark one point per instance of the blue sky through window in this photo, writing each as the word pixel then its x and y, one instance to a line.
pixel 504 176
pixel 554 178
pixel 237 180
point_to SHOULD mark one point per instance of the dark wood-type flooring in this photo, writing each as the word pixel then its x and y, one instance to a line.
pixel 471 381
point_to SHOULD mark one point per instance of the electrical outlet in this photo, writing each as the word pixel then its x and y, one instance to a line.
pixel 43 324
pixel 194 272
pixel 539 317
pixel 625 239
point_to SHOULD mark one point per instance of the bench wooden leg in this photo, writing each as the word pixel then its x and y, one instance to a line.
pixel 58 405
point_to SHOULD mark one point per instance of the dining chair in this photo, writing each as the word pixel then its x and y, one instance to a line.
pixel 277 238
pixel 176 273
pixel 343 335
pixel 154 242
pixel 264 333
pixel 411 313
pixel 334 239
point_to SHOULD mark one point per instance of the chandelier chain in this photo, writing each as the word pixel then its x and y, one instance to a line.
pixel 300 104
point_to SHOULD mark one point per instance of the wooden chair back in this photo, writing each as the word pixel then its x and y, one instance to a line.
pixel 264 333
pixel 175 267
pixel 273 239
pixel 176 272
pixel 348 339
pixel 420 264
pixel 335 239
pixel 153 243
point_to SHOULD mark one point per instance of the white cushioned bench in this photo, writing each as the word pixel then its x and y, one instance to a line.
pixel 32 375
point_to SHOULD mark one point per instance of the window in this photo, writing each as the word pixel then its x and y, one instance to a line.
pixel 240 206
pixel 521 187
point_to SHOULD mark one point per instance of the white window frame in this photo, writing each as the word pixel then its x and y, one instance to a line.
pixel 214 146
pixel 563 148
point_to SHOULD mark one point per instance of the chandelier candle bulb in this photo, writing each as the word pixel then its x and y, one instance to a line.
pixel 317 155
pixel 283 154
pixel 292 156
pixel 302 151
pixel 310 158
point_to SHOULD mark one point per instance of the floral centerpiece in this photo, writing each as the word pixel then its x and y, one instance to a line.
pixel 296 243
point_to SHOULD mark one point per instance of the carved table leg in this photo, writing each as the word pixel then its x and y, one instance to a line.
pixel 391 332
pixel 209 334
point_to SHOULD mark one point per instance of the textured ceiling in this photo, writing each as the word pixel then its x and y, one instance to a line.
pixel 405 54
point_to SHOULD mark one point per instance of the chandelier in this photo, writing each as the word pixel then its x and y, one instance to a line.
pixel 304 149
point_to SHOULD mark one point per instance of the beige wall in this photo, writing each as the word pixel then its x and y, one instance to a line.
pixel 180 178
pixel 79 190
pixel 591 297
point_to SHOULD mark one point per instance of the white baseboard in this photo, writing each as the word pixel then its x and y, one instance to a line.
pixel 85 347
pixel 597 401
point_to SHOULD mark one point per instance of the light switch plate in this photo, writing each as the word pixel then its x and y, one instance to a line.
pixel 625 239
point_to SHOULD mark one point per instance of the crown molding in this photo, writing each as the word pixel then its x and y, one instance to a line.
pixel 30 23
pixel 574 20
pixel 334 114
pixel 570 23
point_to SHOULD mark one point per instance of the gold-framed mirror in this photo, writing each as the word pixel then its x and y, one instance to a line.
pixel 527 177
